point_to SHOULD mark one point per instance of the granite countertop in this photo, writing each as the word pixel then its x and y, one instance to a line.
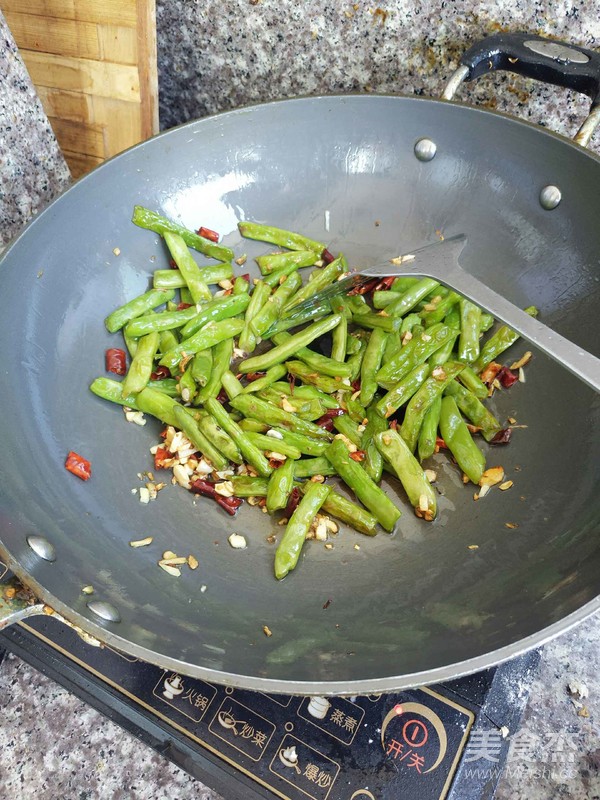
pixel 215 56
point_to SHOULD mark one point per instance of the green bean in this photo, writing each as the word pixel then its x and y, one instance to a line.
pixel 222 352
pixel 108 389
pixel 217 436
pixel 373 463
pixel 245 486
pixel 434 317
pixel 423 398
pixel 357 304
pixel 252 425
pixel 187 266
pixel 474 410
pixel 270 377
pixel 186 296
pixel 254 407
pixel 485 322
pixel 231 384
pixel 289 548
pixel 140 368
pixel 348 428
pixel 411 297
pixel 167 386
pixel 315 312
pixel 168 340
pixel 318 362
pixel 280 487
pixel 355 361
pixel 274 445
pixel 241 285
pixel 319 279
pixel 220 308
pixel 498 342
pixel 404 283
pixel 156 404
pixel 202 366
pixel 471 380
pixel 187 386
pixel 258 298
pixel 186 422
pixel 460 442
pixel 371 320
pixel 355 410
pixel 130 343
pixel 250 452
pixel 167 320
pixel 308 467
pixel 402 391
pixel 305 392
pixel 409 322
pixel 339 337
pixel 414 352
pixel 369 494
pixel 323 382
pixel 306 408
pixel 429 428
pixel 371 365
pixel 279 237
pixel 271 310
pixel 136 307
pixel 277 277
pixel 275 261
pixel 346 511
pixel 410 473
pixel 211 334
pixel 470 319
pixel 382 299
pixel 393 345
pixel 154 222
pixel 173 279
pixel 306 445
pixel 283 351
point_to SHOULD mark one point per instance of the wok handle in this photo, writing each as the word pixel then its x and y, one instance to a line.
pixel 558 63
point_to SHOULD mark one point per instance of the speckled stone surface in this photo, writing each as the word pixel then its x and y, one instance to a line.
pixel 33 170
pixel 214 56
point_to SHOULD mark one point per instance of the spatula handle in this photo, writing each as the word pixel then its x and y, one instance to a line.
pixel 574 358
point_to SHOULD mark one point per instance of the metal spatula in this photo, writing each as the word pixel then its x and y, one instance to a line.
pixel 440 261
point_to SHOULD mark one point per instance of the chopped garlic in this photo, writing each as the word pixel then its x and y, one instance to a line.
pixel 181 475
pixel 144 495
pixel 141 542
pixel 225 489
pixel 136 417
pixel 273 434
pixel 237 541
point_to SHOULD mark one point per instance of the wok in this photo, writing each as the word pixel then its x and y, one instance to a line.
pixel 416 607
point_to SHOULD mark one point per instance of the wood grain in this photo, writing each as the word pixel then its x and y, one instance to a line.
pixel 94 67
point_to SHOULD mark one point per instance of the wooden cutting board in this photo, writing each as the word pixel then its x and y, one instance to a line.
pixel 93 63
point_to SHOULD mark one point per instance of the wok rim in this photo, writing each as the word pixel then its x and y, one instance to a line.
pixel 106 635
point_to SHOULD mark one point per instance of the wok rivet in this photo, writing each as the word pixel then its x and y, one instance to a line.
pixel 104 610
pixel 550 197
pixel 425 149
pixel 42 547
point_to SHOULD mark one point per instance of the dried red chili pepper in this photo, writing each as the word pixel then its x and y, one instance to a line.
pixel 161 455
pixel 292 383
pixel 223 397
pixel 160 373
pixel 183 306
pixel 254 376
pixel 207 233
pixel 275 463
pixel 246 276
pixel 172 264
pixel 292 502
pixel 507 377
pixel 502 437
pixel 327 257
pixel 116 361
pixel 230 504
pixel 385 284
pixel 490 372
pixel 365 288
pixel 78 465
pixel 440 443
pixel 204 488
pixel 328 417
pixel 393 424
pixel 356 385
pixel 358 455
